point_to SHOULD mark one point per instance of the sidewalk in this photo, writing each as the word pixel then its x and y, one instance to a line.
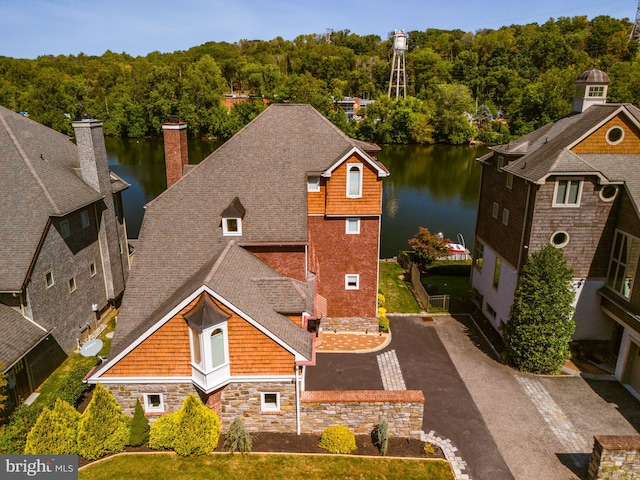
pixel 352 342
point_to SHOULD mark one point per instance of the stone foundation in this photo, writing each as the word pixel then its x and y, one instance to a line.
pixel 173 394
pixel 348 324
pixel 362 410
pixel 615 457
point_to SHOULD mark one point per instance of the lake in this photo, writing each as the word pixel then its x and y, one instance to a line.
pixel 434 186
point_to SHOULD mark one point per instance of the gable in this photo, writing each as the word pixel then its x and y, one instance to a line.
pixel 337 201
pixel 596 142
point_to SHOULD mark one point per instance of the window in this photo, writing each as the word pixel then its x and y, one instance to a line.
pixel 496 272
pixel 84 218
pixel 48 279
pixel 232 226
pixel 352 281
pixel 72 284
pixel 596 91
pixel 608 193
pixel 509 181
pixel 505 216
pixel 560 239
pixel 352 226
pixel 567 193
pixel 491 311
pixel 477 261
pixel 217 348
pixel 65 231
pixel 623 263
pixel 270 402
pixel 196 354
pixel 313 184
pixel 614 135
pixel 92 269
pixel 496 207
pixel 500 163
pixel 153 402
pixel 354 180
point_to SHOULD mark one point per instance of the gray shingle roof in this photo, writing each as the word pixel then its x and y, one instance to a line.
pixel 19 335
pixel 265 165
pixel 40 179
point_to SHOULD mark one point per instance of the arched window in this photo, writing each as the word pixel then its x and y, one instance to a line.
pixel 354 180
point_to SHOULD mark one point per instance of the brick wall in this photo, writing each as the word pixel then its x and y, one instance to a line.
pixel 361 411
pixel 615 457
pixel 288 261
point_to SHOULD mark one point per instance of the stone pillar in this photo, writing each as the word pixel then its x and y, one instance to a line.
pixel 615 457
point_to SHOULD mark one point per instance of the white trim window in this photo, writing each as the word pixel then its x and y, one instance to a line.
pixel 65 230
pixel 84 218
pixel 72 284
pixel 352 281
pixel 232 226
pixel 269 402
pixel 313 184
pixel 567 192
pixel 48 279
pixel 509 180
pixel 494 211
pixel 505 216
pixel 354 180
pixel 92 269
pixel 153 402
pixel 623 263
pixel 352 226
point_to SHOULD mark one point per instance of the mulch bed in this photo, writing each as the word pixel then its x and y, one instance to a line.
pixel 308 443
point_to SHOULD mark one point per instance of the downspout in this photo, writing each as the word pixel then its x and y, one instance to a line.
pixel 524 227
pixel 297 402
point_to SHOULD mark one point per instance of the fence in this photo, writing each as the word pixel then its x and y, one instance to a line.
pixel 440 302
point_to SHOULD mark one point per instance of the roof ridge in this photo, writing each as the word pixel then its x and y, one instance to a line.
pixel 218 262
pixel 28 163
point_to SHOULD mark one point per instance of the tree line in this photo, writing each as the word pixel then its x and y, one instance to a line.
pixel 511 80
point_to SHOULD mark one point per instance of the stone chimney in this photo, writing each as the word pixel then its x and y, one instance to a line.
pixel 94 171
pixel 176 154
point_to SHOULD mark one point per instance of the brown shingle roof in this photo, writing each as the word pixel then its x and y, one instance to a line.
pixel 19 335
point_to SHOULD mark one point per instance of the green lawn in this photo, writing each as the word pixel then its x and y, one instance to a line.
pixel 399 297
pixel 451 278
pixel 254 466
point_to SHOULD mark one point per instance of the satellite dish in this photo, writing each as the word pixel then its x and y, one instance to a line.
pixel 91 348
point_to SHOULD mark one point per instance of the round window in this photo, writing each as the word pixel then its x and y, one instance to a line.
pixel 559 239
pixel 615 135
pixel 608 192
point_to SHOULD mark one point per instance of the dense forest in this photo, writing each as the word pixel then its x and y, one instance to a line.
pixel 511 80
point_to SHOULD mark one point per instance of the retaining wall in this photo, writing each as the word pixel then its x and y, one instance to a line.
pixel 615 457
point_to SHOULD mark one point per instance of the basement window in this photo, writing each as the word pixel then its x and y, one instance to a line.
pixel 352 281
pixel 270 402
pixel 153 402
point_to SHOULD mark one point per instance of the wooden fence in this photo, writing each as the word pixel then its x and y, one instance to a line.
pixel 428 302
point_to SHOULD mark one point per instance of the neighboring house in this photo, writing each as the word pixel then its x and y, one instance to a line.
pixel 237 263
pixel 575 184
pixel 63 245
pixel 352 106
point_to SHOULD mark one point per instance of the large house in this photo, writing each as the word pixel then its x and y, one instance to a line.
pixel 63 244
pixel 575 184
pixel 237 263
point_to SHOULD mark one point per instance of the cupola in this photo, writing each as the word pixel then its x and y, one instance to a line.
pixel 591 89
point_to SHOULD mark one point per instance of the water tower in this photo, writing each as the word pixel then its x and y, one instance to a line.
pixel 398 65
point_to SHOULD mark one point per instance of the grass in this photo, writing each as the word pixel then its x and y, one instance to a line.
pixel 256 466
pixel 49 388
pixel 399 297
pixel 451 278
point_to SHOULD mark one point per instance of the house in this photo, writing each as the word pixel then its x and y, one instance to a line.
pixel 63 244
pixel 574 184
pixel 237 263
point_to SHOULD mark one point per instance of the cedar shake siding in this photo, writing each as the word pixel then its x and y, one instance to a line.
pixel 369 203
pixel 289 261
pixel 334 254
pixel 316 200
pixel 596 142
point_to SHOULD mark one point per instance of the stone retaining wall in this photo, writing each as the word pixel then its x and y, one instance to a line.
pixel 368 325
pixel 361 411
pixel 615 457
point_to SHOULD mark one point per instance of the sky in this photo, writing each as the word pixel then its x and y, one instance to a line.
pixel 31 28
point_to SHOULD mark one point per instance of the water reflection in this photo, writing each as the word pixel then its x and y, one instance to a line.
pixel 433 186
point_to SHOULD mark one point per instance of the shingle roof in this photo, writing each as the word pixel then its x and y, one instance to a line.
pixel 40 179
pixel 19 335
pixel 265 165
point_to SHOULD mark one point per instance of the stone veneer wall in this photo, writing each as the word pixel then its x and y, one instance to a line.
pixel 361 411
pixel 173 394
pixel 615 457
pixel 369 325
pixel 244 400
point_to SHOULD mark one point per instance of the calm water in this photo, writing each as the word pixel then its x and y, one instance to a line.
pixel 432 186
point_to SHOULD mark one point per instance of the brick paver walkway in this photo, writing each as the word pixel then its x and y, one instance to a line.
pixel 352 342
pixel 390 371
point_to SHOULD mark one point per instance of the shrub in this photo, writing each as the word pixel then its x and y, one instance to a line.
pixel 429 449
pixel 162 432
pixel 238 439
pixel 382 302
pixel 72 387
pixel 382 312
pixel 55 432
pixel 383 323
pixel 338 439
pixel 380 436
pixel 13 436
pixel 139 430
pixel 197 428
pixel 103 428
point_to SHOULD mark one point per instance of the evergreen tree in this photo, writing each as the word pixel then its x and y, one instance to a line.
pixel 103 428
pixel 197 428
pixel 541 321
pixel 238 439
pixel 55 431
pixel 3 389
pixel 139 431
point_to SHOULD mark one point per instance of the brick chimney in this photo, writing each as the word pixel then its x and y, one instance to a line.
pixel 175 149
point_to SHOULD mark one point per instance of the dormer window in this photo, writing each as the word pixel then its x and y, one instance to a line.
pixel 354 180
pixel 313 184
pixel 208 336
pixel 232 218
